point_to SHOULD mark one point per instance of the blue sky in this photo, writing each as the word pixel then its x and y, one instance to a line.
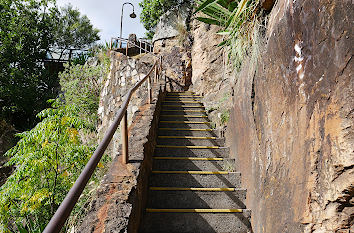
pixel 105 15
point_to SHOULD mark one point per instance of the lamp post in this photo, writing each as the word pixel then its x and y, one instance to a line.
pixel 132 15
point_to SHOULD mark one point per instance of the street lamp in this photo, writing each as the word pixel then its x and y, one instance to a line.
pixel 132 15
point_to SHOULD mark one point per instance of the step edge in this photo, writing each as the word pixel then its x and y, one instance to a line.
pixel 187 147
pixel 185 129
pixel 195 172
pixel 188 137
pixel 231 189
pixel 152 210
pixel 187 158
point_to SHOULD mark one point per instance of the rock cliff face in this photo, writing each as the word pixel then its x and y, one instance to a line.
pixel 171 21
pixel 292 122
pixel 173 42
pixel 177 63
pixel 212 74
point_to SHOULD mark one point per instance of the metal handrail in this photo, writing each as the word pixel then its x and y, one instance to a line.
pixel 65 208
pixel 138 46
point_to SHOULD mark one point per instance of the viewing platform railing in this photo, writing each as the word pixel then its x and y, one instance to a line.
pixel 144 45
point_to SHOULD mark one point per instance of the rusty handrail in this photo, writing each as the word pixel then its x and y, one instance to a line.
pixel 65 208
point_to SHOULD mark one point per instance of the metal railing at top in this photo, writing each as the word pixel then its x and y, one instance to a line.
pixel 143 44
pixel 64 210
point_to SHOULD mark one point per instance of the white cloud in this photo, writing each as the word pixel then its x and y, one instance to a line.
pixel 105 15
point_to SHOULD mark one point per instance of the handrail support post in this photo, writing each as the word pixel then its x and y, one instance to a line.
pixel 150 90
pixel 126 49
pixel 156 73
pixel 124 129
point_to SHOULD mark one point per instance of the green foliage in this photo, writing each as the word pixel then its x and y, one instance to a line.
pixel 238 19
pixel 182 32
pixel 74 30
pixel 28 29
pixel 225 116
pixel 48 159
pixel 81 86
pixel 30 227
pixel 25 34
pixel 81 59
pixel 153 10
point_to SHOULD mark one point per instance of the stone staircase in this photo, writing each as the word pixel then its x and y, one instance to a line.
pixel 193 187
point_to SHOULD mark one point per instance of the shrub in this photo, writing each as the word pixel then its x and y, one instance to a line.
pixel 49 158
pixel 238 19
pixel 81 86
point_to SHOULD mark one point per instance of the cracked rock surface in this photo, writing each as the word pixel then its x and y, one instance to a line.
pixel 291 128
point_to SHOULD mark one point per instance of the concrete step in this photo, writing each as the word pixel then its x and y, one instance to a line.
pixel 181 117
pixel 184 95
pixel 170 94
pixel 197 222
pixel 185 152
pixel 159 163
pixel 186 132
pixel 181 107
pixel 179 92
pixel 182 98
pixel 185 125
pixel 183 111
pixel 230 180
pixel 197 199
pixel 189 137
pixel 190 141
pixel 182 102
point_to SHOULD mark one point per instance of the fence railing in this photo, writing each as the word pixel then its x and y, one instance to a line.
pixel 64 210
pixel 143 44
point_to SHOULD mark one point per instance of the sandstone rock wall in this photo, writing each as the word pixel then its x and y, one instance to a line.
pixel 171 22
pixel 212 74
pixel 176 62
pixel 173 42
pixel 292 122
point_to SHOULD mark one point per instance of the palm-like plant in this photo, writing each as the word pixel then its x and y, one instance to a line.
pixel 237 18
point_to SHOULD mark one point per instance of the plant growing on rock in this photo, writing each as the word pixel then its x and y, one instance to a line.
pixel 183 32
pixel 224 117
pixel 238 20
